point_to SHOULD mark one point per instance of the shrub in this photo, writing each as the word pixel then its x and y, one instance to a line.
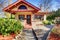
pixel 8 26
pixel 51 17
pixel 56 30
pixel 58 22
pixel 48 22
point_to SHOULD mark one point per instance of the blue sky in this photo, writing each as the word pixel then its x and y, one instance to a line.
pixel 55 3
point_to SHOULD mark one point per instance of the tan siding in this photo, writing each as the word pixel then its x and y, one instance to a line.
pixel 22 13
pixel 29 8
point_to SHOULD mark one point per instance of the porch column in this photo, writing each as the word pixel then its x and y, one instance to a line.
pixel 32 17
pixel 25 16
pixel 16 17
pixel 45 17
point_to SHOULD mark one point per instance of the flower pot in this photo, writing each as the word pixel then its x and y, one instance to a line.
pixel 10 37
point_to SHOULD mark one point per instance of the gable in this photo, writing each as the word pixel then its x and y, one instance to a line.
pixel 28 7
pixel 15 5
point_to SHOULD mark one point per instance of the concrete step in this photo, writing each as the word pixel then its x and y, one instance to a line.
pixel 40 38
pixel 40 35
pixel 29 39
pixel 28 34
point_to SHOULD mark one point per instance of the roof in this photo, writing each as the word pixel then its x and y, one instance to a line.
pixel 41 13
pixel 17 3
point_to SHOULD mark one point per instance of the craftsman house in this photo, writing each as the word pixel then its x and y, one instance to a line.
pixel 24 10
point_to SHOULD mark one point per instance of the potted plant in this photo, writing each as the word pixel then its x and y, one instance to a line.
pixel 9 28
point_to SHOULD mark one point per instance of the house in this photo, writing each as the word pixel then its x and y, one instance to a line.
pixel 24 10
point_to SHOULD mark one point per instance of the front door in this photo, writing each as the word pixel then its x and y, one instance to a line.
pixel 28 18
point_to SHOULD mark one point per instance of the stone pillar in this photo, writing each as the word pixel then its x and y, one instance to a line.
pixel 45 17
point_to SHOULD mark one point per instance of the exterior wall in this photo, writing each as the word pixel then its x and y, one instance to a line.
pixel 29 8
pixel 22 13
pixel 15 8
pixel 7 14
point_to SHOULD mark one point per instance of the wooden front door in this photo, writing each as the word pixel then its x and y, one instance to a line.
pixel 28 18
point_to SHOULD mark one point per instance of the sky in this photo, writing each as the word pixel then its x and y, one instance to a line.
pixel 55 3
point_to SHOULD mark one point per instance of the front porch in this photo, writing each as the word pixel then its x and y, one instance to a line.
pixel 33 18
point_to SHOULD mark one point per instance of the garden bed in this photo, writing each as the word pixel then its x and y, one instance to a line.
pixel 9 28
pixel 55 33
pixel 54 37
pixel 10 37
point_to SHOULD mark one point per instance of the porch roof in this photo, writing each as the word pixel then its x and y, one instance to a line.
pixel 8 8
pixel 41 13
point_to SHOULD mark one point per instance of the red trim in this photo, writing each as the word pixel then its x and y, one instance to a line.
pixel 22 10
pixel 41 13
pixel 17 3
pixel 9 6
pixel 14 11
pixel 29 4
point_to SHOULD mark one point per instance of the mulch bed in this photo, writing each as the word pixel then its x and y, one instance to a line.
pixel 54 37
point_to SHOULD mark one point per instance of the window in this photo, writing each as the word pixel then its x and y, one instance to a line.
pixel 21 17
pixel 38 17
pixel 22 7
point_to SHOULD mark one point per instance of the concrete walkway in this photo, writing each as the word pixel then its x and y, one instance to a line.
pixel 45 29
pixel 40 30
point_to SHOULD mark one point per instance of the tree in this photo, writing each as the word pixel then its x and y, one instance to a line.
pixel 55 14
pixel 4 3
pixel 45 5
